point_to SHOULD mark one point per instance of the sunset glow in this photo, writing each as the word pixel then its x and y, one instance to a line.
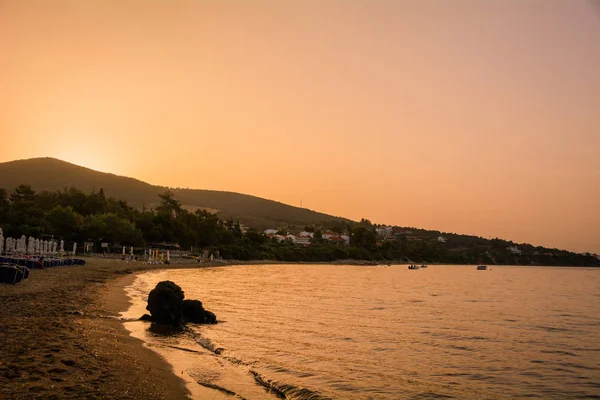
pixel 463 116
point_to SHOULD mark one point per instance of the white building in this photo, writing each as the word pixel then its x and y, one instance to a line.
pixel 346 239
pixel 384 230
pixel 271 231
pixel 306 234
pixel 302 240
pixel 442 239
pixel 514 249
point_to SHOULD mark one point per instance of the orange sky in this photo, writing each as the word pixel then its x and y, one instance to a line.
pixel 477 117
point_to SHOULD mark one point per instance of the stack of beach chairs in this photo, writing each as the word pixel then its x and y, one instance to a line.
pixel 16 269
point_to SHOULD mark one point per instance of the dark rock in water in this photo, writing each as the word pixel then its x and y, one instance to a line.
pixel 165 303
pixel 167 307
pixel 146 317
pixel 194 312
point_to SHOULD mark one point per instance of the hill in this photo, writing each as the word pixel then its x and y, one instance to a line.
pixel 52 174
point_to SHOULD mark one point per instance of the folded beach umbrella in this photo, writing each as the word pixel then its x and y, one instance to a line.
pixel 62 246
pixel 74 248
pixel 1 241
pixel 54 244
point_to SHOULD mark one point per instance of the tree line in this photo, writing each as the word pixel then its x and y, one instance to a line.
pixel 75 216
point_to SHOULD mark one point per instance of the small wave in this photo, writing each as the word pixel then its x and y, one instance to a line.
pixel 285 391
pixel 476 338
pixel 220 389
pixel 465 348
pixel 237 361
pixel 561 352
pixel 183 349
pixel 579 366
pixel 553 328
pixel 431 395
pixel 206 343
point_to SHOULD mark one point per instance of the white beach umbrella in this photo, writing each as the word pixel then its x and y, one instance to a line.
pixel 150 254
pixel 1 241
pixel 54 246
pixel 62 246
pixel 23 243
pixel 131 251
pixel 74 248
pixel 123 250
pixel 168 256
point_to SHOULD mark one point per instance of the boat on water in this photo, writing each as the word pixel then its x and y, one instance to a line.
pixel 413 266
pixel 423 266
pixel 481 267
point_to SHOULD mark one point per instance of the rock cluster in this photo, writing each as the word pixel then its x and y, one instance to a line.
pixel 167 306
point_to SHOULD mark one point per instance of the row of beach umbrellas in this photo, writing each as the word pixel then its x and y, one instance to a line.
pixel 32 246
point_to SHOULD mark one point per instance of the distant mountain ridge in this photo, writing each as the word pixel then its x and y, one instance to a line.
pixel 53 174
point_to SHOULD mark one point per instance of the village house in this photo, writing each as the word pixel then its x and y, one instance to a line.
pixel 337 240
pixel 346 239
pixel 384 230
pixel 514 249
pixel 279 238
pixel 302 240
pixel 441 239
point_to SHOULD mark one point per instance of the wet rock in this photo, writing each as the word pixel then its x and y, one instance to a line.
pixel 165 303
pixel 167 307
pixel 194 312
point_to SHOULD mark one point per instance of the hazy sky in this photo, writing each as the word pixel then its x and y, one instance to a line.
pixel 479 117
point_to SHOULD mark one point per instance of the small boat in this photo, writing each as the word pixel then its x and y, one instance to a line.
pixel 423 266
pixel 481 267
pixel 413 266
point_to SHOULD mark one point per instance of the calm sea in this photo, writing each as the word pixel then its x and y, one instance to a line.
pixel 384 332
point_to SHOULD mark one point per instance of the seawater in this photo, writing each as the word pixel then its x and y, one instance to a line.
pixel 383 332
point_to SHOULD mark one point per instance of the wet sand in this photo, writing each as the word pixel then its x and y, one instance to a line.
pixel 48 350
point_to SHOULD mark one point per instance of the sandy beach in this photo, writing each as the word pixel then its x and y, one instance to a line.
pixel 59 338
